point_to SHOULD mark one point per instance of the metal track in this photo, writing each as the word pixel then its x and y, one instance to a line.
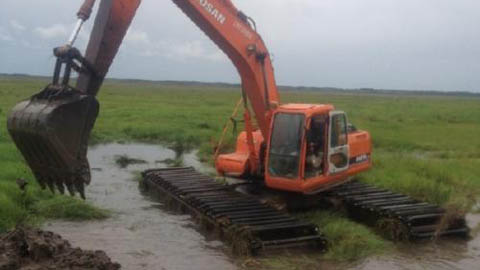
pixel 402 216
pixel 248 224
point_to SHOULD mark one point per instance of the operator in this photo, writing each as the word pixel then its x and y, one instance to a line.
pixel 315 145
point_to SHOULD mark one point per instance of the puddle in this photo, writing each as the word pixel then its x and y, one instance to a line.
pixel 447 253
pixel 140 235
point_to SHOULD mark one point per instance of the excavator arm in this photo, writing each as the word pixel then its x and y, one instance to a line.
pixel 111 24
pixel 52 128
pixel 236 35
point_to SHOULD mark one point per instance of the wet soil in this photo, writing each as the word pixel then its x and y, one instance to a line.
pixel 31 249
pixel 141 234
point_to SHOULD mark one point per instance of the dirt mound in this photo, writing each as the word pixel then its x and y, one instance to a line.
pixel 30 249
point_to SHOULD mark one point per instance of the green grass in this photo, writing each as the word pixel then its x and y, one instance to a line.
pixel 71 209
pixel 348 240
pixel 451 182
pixel 182 117
pixel 424 146
pixel 288 262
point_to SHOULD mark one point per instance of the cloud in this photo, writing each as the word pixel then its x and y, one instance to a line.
pixel 54 31
pixel 194 49
pixel 5 35
pixel 138 37
pixel 17 26
pixel 139 42
pixel 182 51
pixel 371 43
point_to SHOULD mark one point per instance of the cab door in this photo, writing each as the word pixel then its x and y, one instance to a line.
pixel 338 148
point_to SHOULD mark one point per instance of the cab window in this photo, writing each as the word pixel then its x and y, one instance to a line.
pixel 285 145
pixel 338 141
pixel 339 131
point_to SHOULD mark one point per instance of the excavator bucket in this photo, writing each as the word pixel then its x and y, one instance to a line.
pixel 51 130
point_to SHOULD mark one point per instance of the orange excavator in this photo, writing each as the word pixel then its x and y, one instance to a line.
pixel 302 148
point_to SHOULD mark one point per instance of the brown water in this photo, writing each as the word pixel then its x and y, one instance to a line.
pixel 444 254
pixel 139 235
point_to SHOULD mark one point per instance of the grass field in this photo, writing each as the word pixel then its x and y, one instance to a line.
pixel 425 146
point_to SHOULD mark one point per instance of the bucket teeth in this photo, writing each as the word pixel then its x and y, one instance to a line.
pixel 51 185
pixel 60 186
pixel 41 182
pixel 69 185
pixel 80 187
pixel 51 130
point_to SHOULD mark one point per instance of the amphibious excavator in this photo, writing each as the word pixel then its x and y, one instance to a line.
pixel 299 148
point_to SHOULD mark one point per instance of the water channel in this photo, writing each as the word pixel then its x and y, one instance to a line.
pixel 142 234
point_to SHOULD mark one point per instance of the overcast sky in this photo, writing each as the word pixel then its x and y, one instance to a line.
pixel 394 44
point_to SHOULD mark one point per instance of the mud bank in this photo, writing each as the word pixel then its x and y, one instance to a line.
pixel 35 249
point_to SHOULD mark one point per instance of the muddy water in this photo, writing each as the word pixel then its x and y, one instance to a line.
pixel 444 254
pixel 139 235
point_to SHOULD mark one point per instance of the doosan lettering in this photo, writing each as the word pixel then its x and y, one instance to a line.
pixel 213 11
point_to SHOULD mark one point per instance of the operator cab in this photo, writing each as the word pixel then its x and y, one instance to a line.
pixel 308 148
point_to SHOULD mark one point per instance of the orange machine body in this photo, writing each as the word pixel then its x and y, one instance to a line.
pixel 357 142
pixel 255 156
